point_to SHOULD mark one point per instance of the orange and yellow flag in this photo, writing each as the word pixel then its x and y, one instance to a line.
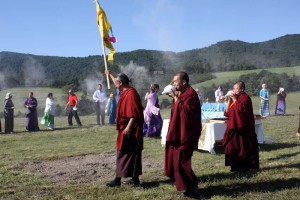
pixel 104 28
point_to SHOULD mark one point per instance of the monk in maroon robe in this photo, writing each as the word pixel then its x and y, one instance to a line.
pixel 183 135
pixel 240 140
pixel 129 143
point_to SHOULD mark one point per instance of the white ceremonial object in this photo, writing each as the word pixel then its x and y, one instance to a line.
pixel 168 89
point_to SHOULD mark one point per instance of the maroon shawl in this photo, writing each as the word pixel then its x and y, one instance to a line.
pixel 130 106
pixel 185 122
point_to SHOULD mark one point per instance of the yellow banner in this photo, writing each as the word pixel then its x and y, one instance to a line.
pixel 104 28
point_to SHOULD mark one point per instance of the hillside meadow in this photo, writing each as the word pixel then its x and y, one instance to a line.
pixel 75 162
pixel 222 77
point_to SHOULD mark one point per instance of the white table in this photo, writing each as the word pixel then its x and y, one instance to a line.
pixel 211 115
pixel 212 132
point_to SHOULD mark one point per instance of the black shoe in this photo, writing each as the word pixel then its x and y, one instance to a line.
pixel 132 182
pixel 114 183
pixel 189 192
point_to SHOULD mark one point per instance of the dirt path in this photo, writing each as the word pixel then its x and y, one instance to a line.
pixel 86 168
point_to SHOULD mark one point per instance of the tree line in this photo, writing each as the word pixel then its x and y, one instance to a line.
pixel 19 70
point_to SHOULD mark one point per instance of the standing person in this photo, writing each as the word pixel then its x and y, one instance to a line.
pixel 48 118
pixel 264 101
pixel 240 140
pixel 183 135
pixel 153 121
pixel 129 143
pixel 199 96
pixel 31 113
pixel 72 108
pixel 219 94
pixel 100 99
pixel 298 133
pixel 8 114
pixel 111 107
pixel 280 103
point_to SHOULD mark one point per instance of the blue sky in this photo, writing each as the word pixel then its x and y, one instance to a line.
pixel 68 27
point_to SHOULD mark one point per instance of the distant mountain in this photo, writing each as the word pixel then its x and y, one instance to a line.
pixel 238 55
pixel 19 69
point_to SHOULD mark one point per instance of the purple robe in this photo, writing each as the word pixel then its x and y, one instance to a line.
pixel 31 114
pixel 153 121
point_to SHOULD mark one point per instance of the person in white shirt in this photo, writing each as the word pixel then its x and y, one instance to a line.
pixel 48 118
pixel 100 99
pixel 219 95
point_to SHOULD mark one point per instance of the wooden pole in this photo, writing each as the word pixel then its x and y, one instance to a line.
pixel 105 62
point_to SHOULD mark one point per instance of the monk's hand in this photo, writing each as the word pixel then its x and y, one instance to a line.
pixel 173 95
pixel 233 97
pixel 127 131
pixel 107 72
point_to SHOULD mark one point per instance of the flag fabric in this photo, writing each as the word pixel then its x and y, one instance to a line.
pixel 104 28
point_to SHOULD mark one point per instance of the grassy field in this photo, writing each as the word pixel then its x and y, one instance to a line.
pixel 222 77
pixel 278 177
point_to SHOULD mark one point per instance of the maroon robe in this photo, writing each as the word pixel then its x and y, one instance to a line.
pixel 129 106
pixel 129 147
pixel 240 140
pixel 182 139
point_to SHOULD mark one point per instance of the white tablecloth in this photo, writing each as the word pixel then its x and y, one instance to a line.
pixel 214 131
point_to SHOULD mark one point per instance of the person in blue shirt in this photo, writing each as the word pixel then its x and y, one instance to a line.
pixel 264 101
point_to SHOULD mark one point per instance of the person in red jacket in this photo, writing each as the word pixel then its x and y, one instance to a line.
pixel 240 141
pixel 129 123
pixel 183 135
pixel 72 108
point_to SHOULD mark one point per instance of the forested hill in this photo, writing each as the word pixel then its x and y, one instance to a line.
pixel 19 69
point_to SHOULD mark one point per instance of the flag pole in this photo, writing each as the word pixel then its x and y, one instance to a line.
pixel 105 62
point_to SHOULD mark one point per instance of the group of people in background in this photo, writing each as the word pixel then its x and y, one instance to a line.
pixel 280 107
pixel 31 123
pixel 104 105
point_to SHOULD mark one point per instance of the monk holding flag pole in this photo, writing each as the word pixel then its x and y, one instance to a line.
pixel 104 28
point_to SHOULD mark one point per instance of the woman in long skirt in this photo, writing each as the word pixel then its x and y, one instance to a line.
pixel 9 113
pixel 48 118
pixel 111 107
pixel 280 103
pixel 31 113
pixel 153 121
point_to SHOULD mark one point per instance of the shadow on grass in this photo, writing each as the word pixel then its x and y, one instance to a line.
pixel 42 130
pixel 156 183
pixel 285 156
pixel 236 189
pixel 219 176
pixel 295 165
pixel 276 146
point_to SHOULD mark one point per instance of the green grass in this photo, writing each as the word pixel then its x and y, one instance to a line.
pixel 278 177
pixel 222 77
